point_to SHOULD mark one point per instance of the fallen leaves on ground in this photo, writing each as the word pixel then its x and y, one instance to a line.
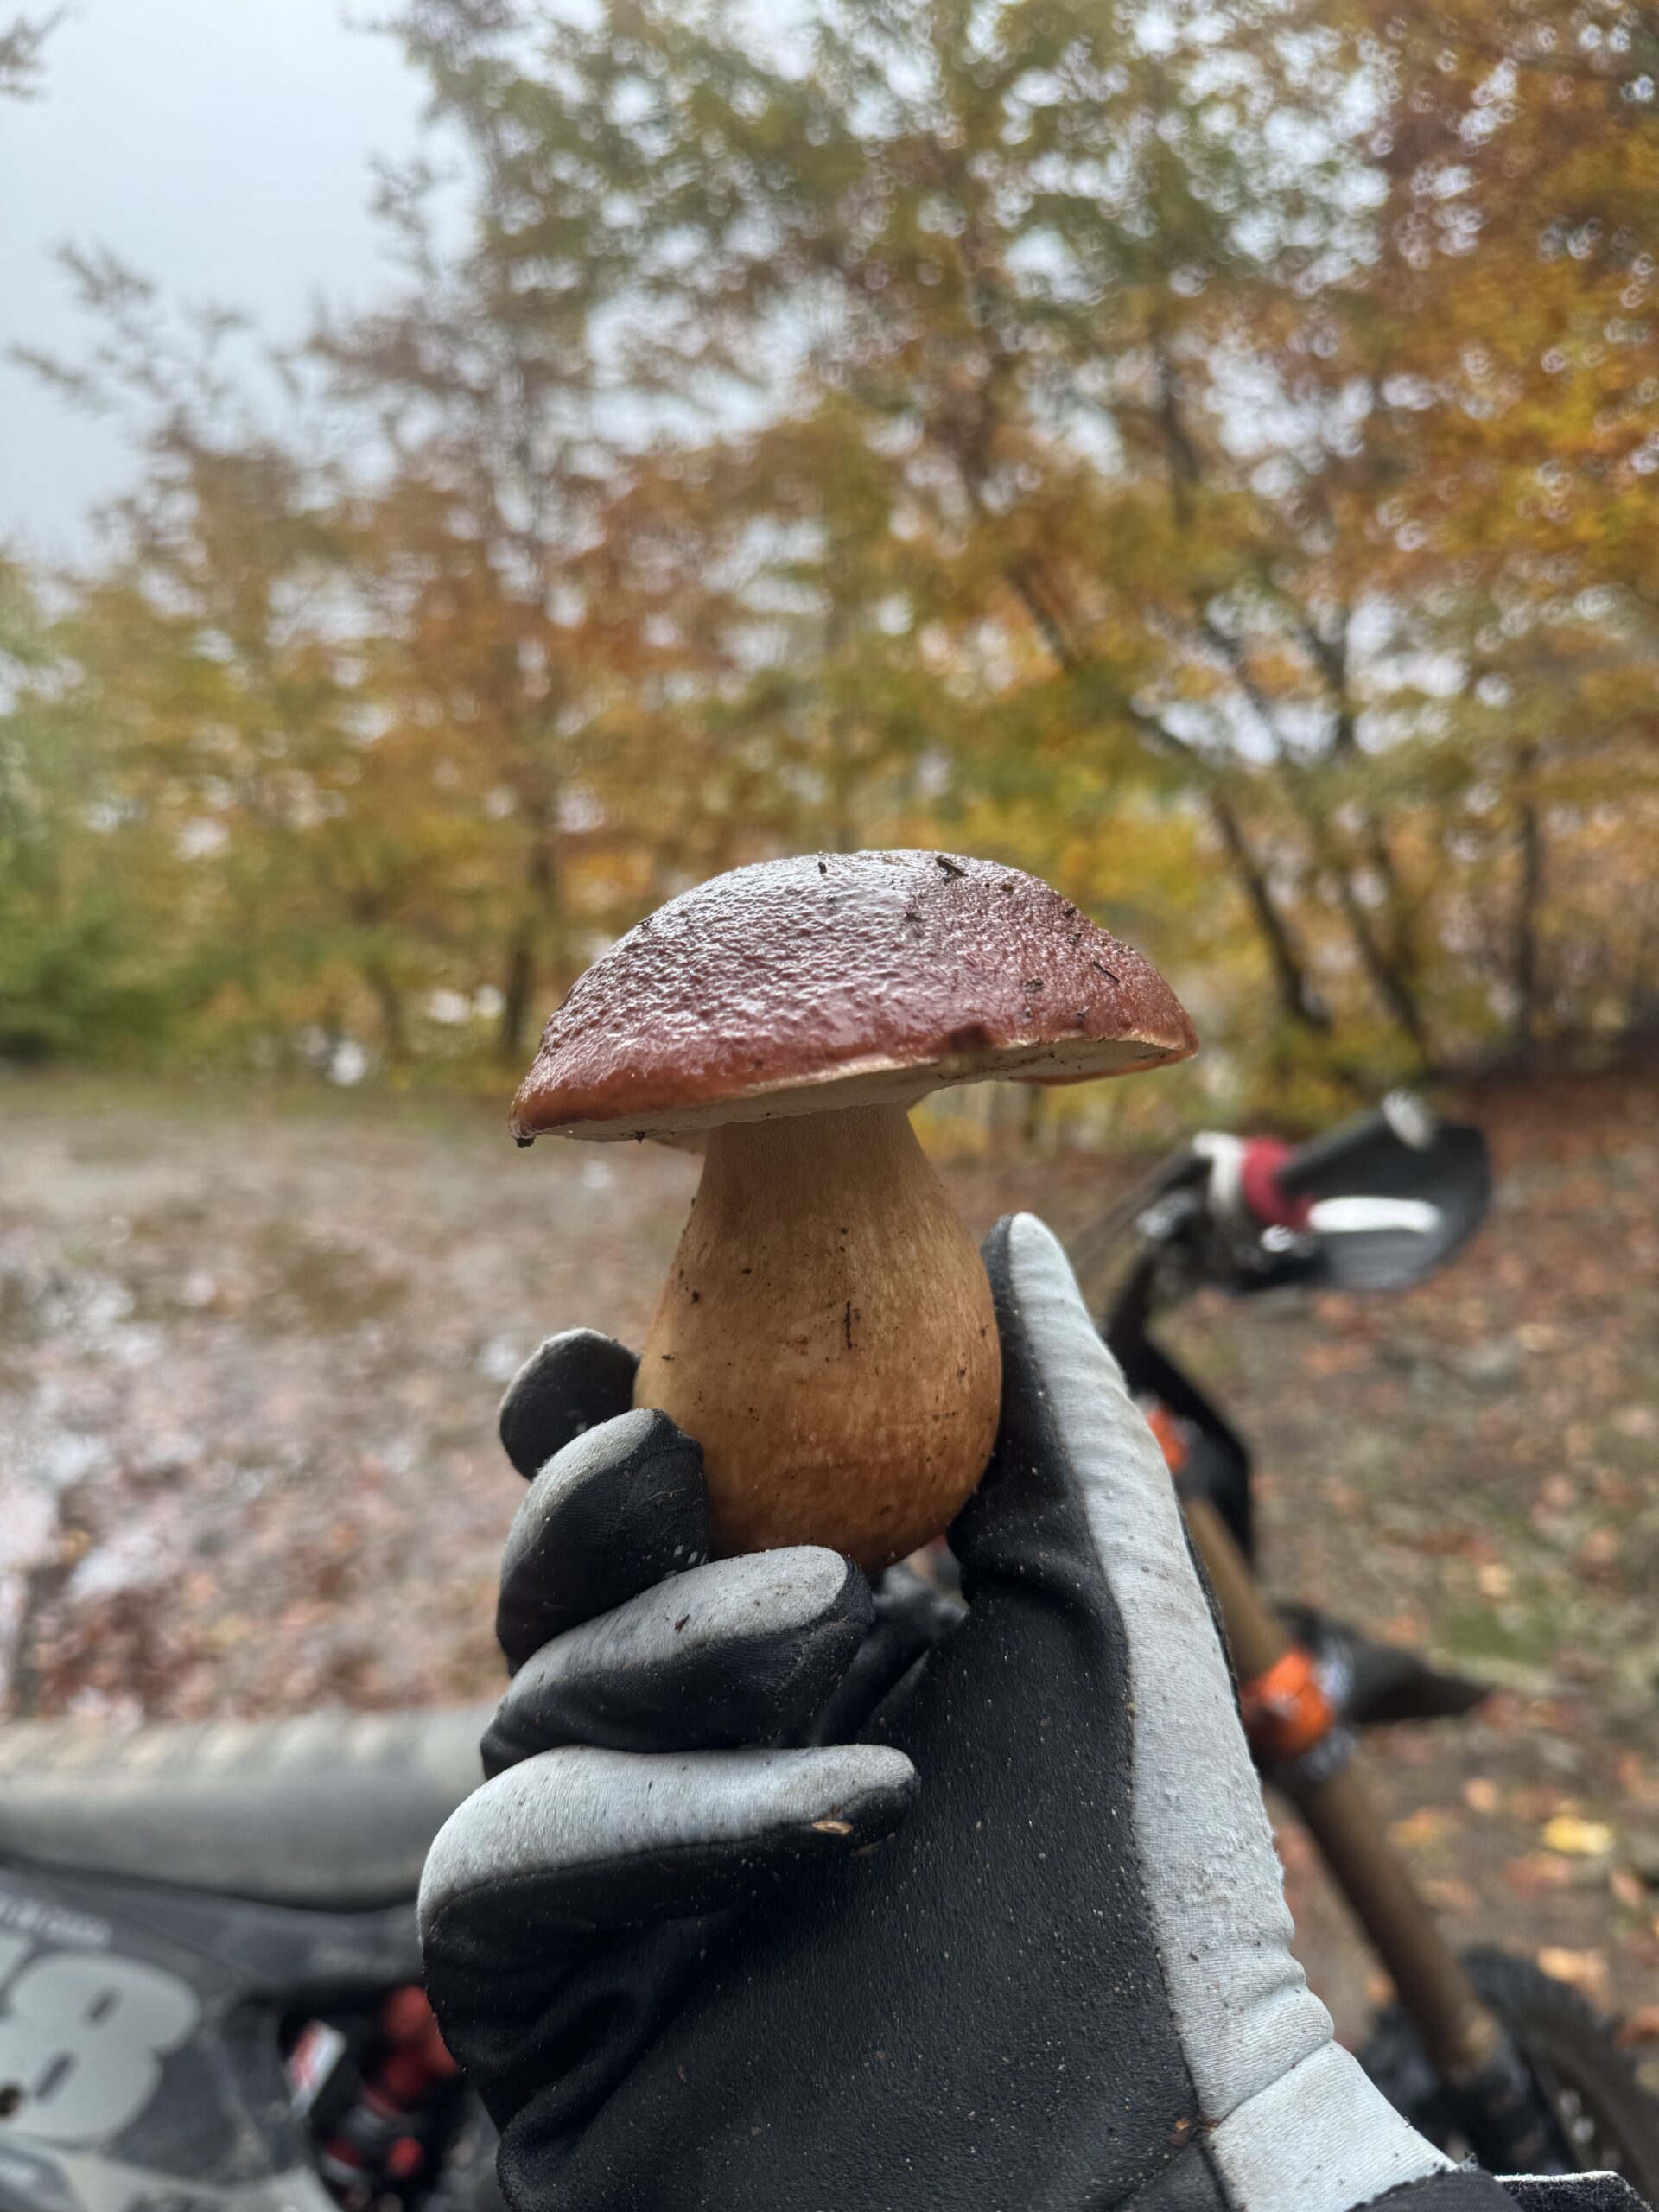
pixel 1584 1971
pixel 251 1352
pixel 1574 1838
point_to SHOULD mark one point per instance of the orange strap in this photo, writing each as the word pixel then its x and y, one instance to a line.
pixel 1286 1712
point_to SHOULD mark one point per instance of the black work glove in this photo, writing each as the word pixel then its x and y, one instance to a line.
pixel 1022 1948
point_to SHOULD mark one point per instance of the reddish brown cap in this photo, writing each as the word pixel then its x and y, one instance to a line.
pixel 849 979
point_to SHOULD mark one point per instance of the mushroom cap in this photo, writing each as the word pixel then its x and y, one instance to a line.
pixel 838 980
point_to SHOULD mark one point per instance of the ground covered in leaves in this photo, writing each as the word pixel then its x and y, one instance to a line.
pixel 251 1347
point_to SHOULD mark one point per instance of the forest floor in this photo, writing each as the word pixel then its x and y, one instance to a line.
pixel 251 1349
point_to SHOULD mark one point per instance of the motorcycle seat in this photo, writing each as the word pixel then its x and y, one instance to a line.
pixel 331 1810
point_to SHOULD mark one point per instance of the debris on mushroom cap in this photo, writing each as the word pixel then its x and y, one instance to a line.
pixel 841 979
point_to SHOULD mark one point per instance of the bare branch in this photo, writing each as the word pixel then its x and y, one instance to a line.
pixel 20 43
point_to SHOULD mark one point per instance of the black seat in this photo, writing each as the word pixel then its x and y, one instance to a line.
pixel 331 1810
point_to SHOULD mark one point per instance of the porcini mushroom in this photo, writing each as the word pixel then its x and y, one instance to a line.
pixel 826 1330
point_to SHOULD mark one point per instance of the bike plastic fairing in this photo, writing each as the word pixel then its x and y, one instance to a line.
pixel 139 2068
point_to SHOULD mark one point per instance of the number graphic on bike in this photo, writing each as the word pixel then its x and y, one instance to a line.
pixel 83 2037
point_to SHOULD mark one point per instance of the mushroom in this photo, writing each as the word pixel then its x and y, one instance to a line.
pixel 826 1330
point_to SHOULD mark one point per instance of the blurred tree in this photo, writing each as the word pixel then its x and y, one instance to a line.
pixel 72 979
pixel 484 539
pixel 1203 455
pixel 379 688
pixel 1511 350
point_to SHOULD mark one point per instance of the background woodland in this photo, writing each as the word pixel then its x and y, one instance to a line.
pixel 1207 453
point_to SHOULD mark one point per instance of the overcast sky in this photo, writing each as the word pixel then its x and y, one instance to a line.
pixel 222 147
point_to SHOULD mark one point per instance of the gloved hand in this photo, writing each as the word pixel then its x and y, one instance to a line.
pixel 1022 1948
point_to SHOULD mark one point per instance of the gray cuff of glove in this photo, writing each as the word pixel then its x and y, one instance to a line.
pixel 1292 2119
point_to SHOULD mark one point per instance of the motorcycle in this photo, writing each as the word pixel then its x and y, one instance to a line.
pixel 1487 2054
pixel 209 1976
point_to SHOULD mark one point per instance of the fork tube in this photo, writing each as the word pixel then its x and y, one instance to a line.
pixel 1458 2033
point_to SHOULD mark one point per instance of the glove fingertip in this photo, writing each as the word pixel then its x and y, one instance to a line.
pixel 569 1383
pixel 736 1652
pixel 594 1839
pixel 614 1511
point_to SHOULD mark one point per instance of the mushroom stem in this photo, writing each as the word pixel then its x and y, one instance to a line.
pixel 827 1334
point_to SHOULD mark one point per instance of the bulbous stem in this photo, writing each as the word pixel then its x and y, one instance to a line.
pixel 827 1333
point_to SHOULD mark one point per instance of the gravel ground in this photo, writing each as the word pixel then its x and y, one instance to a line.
pixel 251 1347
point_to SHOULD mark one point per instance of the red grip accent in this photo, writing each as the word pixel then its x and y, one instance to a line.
pixel 1258 1185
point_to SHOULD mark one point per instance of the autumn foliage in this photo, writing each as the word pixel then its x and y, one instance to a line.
pixel 1206 454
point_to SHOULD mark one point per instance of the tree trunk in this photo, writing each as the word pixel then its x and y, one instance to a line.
pixel 521 971
pixel 1296 995
pixel 389 1000
pixel 518 983
pixel 1641 1026
pixel 1387 973
pixel 1530 840
pixel 1331 658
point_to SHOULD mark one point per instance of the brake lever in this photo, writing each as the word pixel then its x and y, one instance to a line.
pixel 1099 1246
